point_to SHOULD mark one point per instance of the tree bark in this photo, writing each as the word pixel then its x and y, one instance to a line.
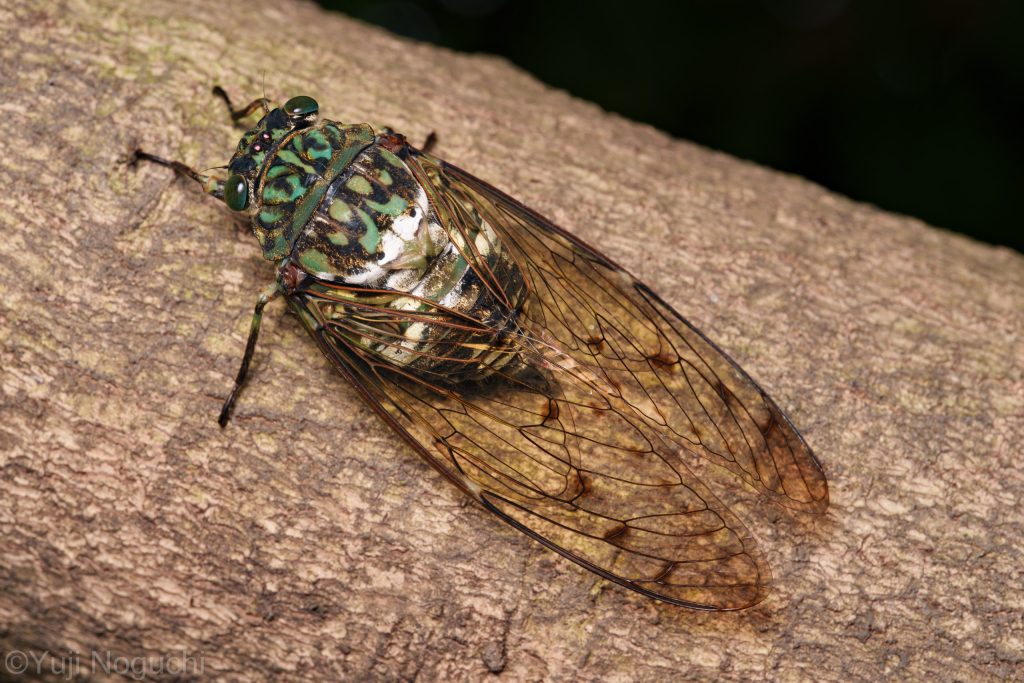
pixel 306 540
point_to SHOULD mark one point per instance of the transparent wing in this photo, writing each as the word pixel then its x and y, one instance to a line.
pixel 668 371
pixel 601 451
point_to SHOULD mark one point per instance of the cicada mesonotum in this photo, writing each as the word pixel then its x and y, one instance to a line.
pixel 528 368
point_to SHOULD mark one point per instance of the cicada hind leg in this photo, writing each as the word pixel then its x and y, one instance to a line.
pixel 396 141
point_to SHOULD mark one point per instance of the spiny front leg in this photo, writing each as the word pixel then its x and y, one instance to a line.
pixel 212 186
pixel 242 112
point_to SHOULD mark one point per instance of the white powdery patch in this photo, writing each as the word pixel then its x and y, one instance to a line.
pixel 408 224
pixel 454 296
pixel 403 280
pixel 370 275
pixel 393 246
pixel 404 231
pixel 399 351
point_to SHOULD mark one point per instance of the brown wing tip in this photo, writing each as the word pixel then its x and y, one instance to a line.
pixel 740 582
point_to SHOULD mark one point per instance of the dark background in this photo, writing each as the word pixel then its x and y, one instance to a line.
pixel 915 106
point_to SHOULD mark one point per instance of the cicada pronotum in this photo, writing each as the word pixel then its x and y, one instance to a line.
pixel 533 372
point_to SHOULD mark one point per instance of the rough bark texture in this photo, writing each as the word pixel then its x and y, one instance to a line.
pixel 306 539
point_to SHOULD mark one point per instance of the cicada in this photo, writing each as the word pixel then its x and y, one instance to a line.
pixel 533 372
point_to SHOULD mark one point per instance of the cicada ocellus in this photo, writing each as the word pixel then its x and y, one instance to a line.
pixel 537 375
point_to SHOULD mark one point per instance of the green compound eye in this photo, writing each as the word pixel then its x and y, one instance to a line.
pixel 236 192
pixel 301 108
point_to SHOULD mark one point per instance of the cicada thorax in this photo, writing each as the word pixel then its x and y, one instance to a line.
pixel 388 270
pixel 295 179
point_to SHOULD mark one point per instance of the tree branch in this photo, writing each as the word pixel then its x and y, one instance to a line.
pixel 306 539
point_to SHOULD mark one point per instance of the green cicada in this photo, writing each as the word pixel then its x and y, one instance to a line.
pixel 528 368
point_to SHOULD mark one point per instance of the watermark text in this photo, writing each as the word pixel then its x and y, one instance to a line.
pixel 70 665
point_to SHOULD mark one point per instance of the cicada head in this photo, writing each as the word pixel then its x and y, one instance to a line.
pixel 281 169
pixel 259 144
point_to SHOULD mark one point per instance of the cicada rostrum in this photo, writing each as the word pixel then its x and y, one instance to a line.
pixel 542 379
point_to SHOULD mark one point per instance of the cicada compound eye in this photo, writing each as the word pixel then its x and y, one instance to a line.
pixel 301 110
pixel 236 192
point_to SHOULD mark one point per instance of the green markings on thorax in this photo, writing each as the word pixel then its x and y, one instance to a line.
pixel 340 211
pixel 296 179
pixel 359 185
pixel 314 260
pixel 292 159
pixel 287 188
pixel 371 235
pixel 394 207
pixel 370 206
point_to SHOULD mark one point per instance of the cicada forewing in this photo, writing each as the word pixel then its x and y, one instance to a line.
pixel 595 450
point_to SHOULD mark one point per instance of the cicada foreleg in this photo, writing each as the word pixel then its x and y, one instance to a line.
pixel 212 186
pixel 265 297
pixel 242 112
